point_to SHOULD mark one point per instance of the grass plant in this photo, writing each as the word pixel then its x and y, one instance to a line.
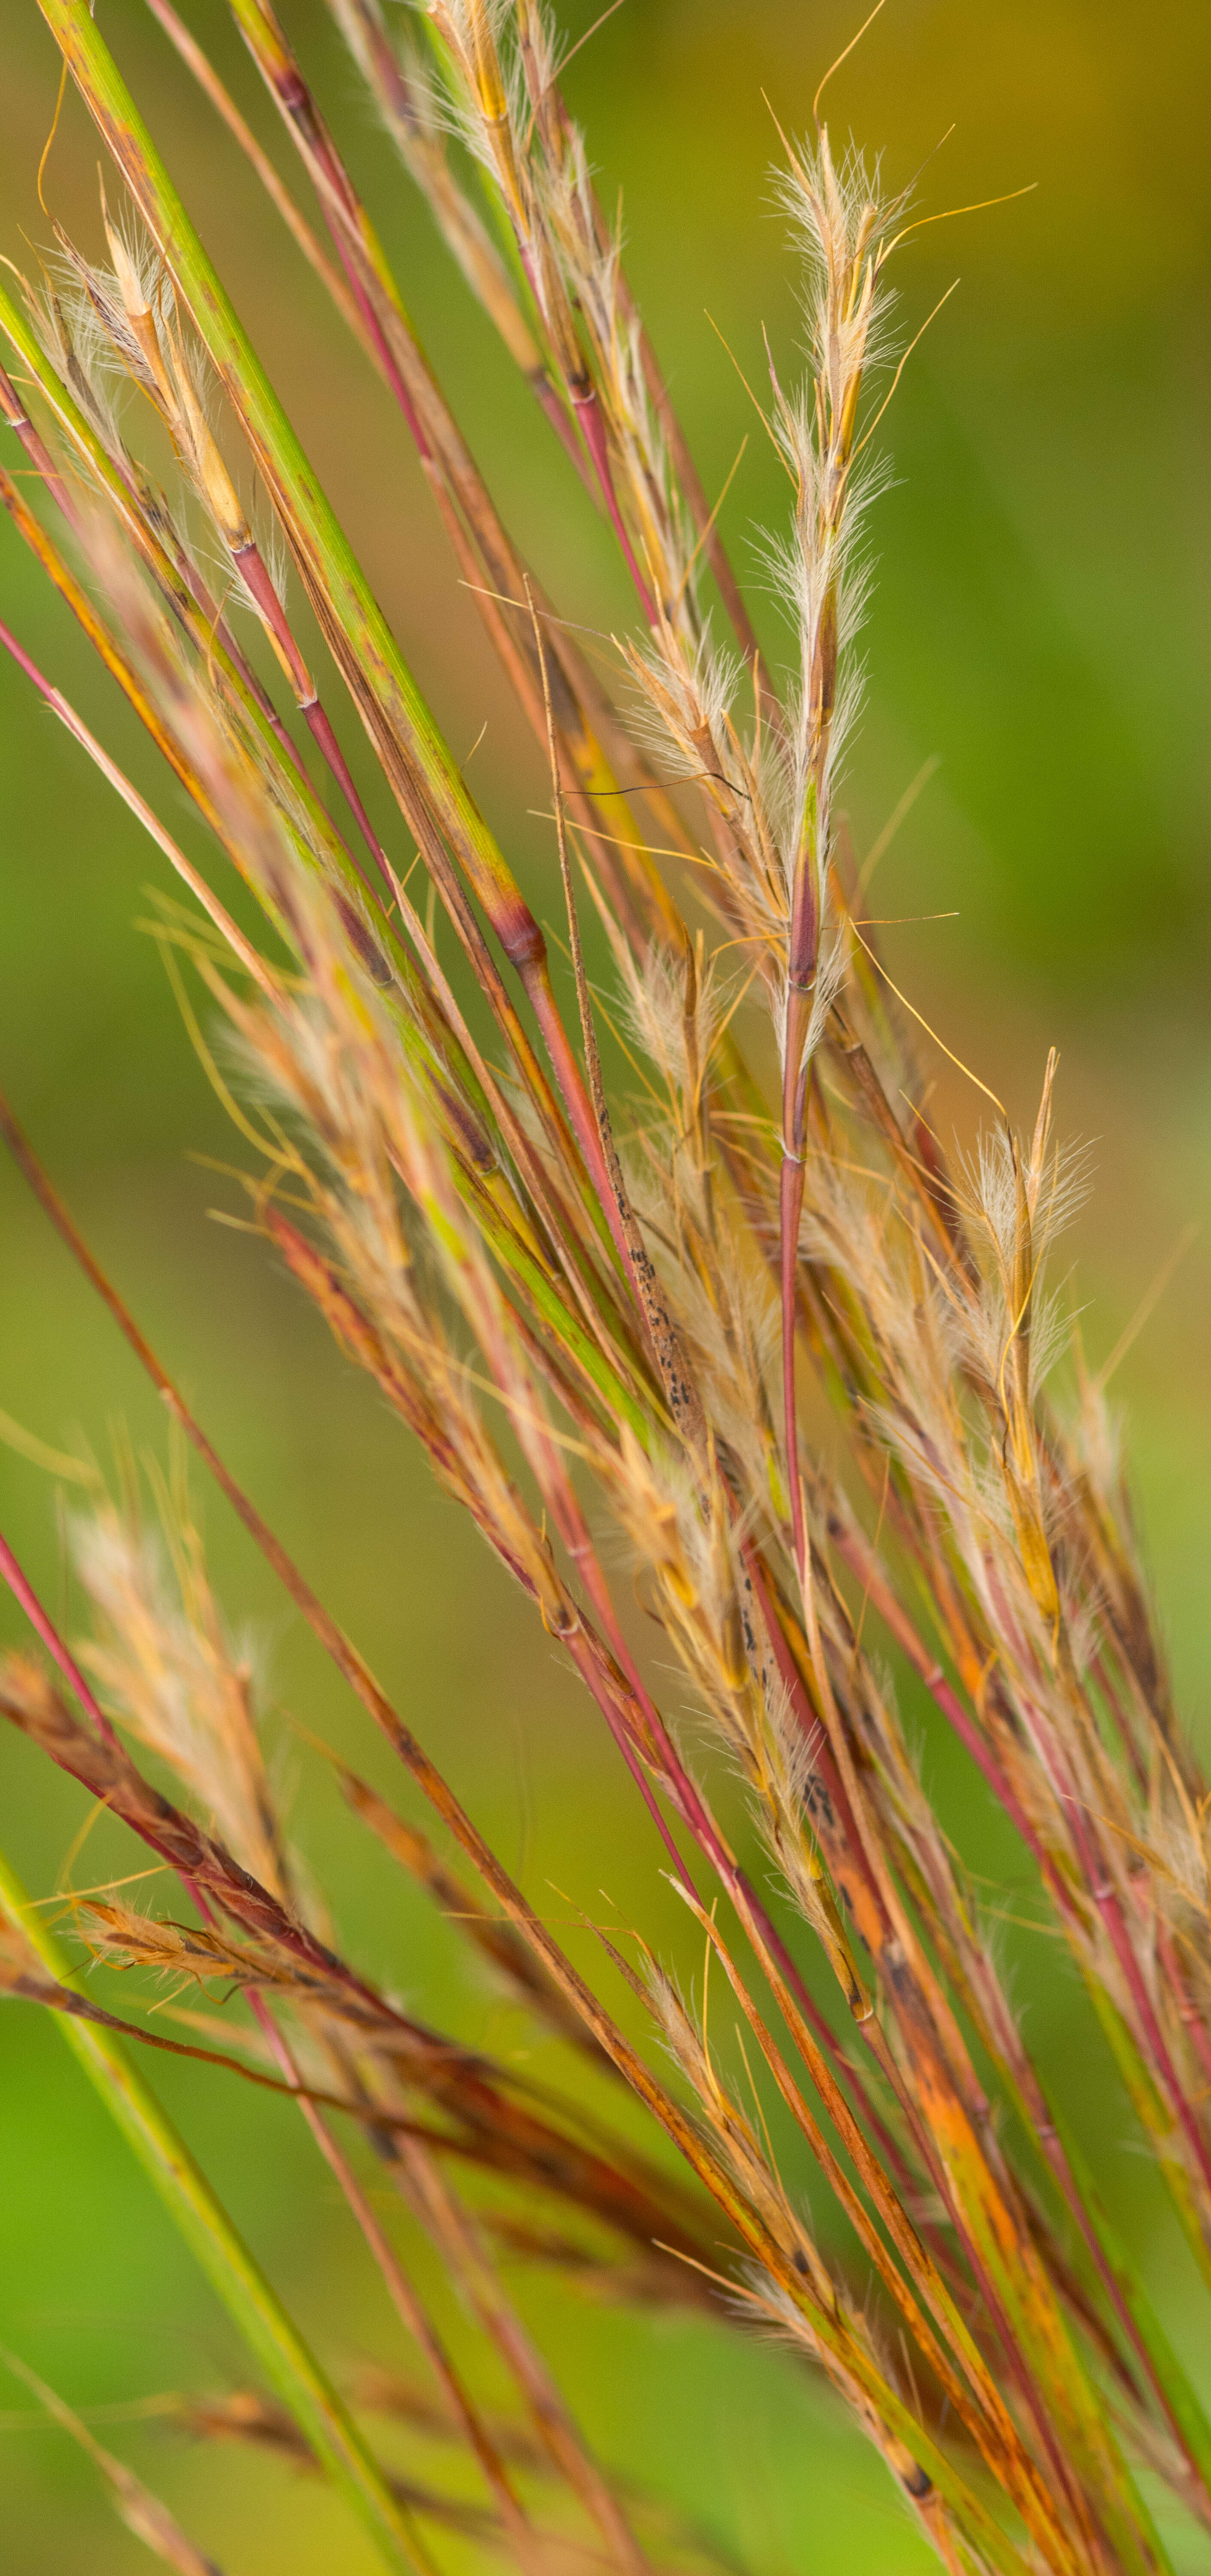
pixel 674 1282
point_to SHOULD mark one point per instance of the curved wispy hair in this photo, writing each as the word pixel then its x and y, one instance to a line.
pixel 839 215
pixel 796 574
pixel 1058 1189
pixel 686 695
pixel 652 1004
pixel 173 1673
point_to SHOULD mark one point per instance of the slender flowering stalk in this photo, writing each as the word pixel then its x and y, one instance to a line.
pixel 596 1310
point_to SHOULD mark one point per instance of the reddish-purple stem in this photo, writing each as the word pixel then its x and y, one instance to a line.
pixel 22 659
pixel 588 411
pixel 405 2301
pixel 302 114
pixel 319 725
pixel 39 454
pixel 257 578
pixel 39 1619
pixel 1105 1897
pixel 582 1656
pixel 862 1565
pixel 790 1209
pixel 548 397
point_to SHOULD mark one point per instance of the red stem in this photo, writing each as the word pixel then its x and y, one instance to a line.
pixel 582 1656
pixel 1105 1897
pixel 405 2301
pixel 31 670
pixel 39 1620
pixel 790 1209
pixel 854 1552
pixel 547 395
pixel 37 451
pixel 535 975
pixel 588 411
pixel 319 725
pixel 255 574
pixel 861 1562
pixel 40 457
pixel 317 145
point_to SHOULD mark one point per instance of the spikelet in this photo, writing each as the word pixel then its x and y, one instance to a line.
pixel 167 1669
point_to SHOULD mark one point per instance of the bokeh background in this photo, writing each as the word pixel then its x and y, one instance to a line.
pixel 1040 628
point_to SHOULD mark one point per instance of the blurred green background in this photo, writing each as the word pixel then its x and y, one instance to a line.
pixel 1040 626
